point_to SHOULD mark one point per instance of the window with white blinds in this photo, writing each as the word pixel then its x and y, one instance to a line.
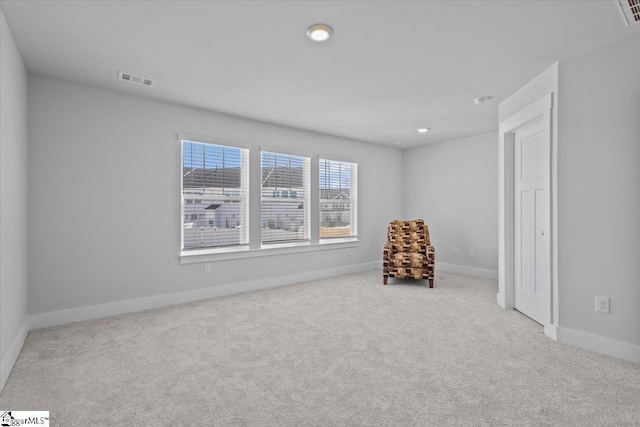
pixel 338 199
pixel 215 196
pixel 285 198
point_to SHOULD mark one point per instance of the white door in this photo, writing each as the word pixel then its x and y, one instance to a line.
pixel 531 223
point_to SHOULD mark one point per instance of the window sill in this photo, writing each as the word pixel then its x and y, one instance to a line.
pixel 281 249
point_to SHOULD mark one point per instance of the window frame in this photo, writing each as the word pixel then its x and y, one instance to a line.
pixel 253 215
pixel 306 184
pixel 182 138
pixel 353 220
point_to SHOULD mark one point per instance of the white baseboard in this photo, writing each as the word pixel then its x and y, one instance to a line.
pixel 470 271
pixel 551 331
pixel 500 300
pixel 606 346
pixel 62 317
pixel 10 358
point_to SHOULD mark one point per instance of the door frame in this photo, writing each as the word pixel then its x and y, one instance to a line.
pixel 539 110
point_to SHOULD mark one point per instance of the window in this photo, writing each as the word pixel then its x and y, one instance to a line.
pixel 216 219
pixel 338 199
pixel 215 179
pixel 285 198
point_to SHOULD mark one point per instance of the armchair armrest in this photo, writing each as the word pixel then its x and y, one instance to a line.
pixel 387 250
pixel 431 253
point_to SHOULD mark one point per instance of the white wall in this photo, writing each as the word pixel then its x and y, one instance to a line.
pixel 595 194
pixel 97 157
pixel 452 185
pixel 599 190
pixel 13 202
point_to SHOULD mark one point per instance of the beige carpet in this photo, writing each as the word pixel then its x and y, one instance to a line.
pixel 345 351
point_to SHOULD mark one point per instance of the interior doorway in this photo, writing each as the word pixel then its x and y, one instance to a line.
pixel 531 219
pixel 526 213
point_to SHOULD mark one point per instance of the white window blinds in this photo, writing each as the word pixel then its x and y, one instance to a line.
pixel 215 195
pixel 338 199
pixel 285 198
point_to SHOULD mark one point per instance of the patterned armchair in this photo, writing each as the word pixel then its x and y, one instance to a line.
pixel 408 252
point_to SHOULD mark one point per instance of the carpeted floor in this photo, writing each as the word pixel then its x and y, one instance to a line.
pixel 342 351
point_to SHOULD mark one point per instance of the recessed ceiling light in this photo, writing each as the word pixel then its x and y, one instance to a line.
pixel 481 100
pixel 424 130
pixel 319 32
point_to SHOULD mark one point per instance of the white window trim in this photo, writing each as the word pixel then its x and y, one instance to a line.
pixel 337 158
pixel 285 151
pixel 237 252
pixel 214 141
pixel 255 249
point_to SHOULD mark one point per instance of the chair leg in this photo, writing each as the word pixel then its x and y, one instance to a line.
pixel 384 279
pixel 431 283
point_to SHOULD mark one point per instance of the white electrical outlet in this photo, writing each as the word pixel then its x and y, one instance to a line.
pixel 602 305
pixel 207 269
pixel 472 252
pixel 455 250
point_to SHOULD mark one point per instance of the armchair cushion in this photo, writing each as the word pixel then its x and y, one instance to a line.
pixel 407 259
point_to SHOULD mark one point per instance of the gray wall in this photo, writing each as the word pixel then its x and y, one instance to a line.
pixel 13 196
pixel 98 157
pixel 599 190
pixel 453 186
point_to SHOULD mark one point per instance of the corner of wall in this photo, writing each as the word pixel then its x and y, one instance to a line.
pixel 13 202
pixel 9 360
pixel 448 184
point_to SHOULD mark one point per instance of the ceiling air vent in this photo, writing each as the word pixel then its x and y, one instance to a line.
pixel 144 81
pixel 631 11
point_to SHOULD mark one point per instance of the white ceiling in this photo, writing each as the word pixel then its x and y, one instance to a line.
pixel 390 68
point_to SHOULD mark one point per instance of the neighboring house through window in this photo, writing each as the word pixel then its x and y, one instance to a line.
pixel 215 195
pixel 217 221
pixel 338 199
pixel 285 198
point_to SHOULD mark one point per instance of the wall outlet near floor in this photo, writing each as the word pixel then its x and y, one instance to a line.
pixel 207 268
pixel 455 250
pixel 602 305
pixel 472 252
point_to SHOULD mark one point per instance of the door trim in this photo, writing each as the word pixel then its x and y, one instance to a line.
pixel 539 110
